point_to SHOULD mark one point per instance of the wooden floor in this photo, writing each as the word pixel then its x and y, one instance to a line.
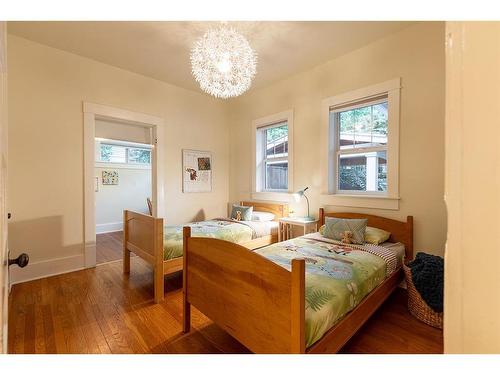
pixel 109 247
pixel 100 310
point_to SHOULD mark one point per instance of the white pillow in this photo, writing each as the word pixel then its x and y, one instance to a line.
pixel 262 216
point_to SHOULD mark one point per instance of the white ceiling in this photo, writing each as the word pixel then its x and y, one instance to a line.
pixel 161 49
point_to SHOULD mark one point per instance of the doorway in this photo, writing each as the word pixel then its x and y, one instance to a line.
pixel 122 150
pixel 123 177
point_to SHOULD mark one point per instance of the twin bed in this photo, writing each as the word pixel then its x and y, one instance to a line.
pixel 306 295
pixel 161 246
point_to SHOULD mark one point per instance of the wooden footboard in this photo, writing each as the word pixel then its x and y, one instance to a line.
pixel 143 235
pixel 256 301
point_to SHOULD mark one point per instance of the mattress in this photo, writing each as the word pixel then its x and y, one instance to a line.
pixel 338 277
pixel 398 248
pixel 223 229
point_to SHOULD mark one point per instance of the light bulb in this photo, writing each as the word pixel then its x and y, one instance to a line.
pixel 224 65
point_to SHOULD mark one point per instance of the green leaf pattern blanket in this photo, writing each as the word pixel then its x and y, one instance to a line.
pixel 222 229
pixel 338 277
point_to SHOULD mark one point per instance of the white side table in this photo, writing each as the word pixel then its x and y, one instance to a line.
pixel 285 225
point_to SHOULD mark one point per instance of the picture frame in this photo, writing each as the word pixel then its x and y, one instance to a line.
pixel 197 169
pixel 110 177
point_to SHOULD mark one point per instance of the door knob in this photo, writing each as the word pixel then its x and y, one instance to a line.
pixel 22 260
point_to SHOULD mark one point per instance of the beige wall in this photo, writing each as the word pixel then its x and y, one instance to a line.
pixel 472 279
pixel 416 55
pixel 46 90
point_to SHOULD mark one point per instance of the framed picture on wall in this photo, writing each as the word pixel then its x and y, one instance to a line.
pixel 196 171
pixel 110 177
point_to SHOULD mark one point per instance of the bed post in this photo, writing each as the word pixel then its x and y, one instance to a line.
pixel 321 216
pixel 126 252
pixel 298 311
pixel 186 306
pixel 159 278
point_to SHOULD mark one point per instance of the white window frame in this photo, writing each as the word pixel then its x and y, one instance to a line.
pixel 258 179
pixel 127 164
pixel 360 98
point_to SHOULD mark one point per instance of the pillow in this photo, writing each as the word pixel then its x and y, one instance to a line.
pixel 376 236
pixel 241 213
pixel 373 235
pixel 262 216
pixel 335 228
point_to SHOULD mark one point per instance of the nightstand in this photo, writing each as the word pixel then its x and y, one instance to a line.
pixel 285 225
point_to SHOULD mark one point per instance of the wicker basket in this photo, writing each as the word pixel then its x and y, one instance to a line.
pixel 417 306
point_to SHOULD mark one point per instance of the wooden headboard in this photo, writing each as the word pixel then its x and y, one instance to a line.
pixel 401 231
pixel 279 210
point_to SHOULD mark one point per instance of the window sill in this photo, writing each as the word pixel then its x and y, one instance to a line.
pixel 364 201
pixel 272 196
pixel 100 164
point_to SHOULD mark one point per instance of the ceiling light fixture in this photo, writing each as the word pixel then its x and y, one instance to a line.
pixel 223 63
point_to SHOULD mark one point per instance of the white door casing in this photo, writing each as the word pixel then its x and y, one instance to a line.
pixel 4 270
pixel 91 112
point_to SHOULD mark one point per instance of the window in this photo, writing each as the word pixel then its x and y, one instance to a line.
pixel 363 147
pixel 275 157
pixel 273 147
pixel 139 156
pixel 115 152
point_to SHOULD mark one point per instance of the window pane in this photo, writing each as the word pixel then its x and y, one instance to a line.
pixel 113 153
pixel 346 129
pixel 276 175
pixel 379 132
pixel 363 127
pixel 139 156
pixel 276 140
pixel 363 172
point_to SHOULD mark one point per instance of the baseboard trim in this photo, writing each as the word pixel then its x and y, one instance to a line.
pixel 46 268
pixel 108 227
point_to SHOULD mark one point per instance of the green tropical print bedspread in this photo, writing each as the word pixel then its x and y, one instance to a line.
pixel 221 229
pixel 338 277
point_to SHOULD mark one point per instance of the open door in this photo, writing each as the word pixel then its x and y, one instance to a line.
pixel 4 274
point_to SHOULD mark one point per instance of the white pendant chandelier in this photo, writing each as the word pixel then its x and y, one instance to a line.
pixel 223 63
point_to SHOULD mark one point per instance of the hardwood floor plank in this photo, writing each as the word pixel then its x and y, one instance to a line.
pixel 48 330
pixel 101 310
pixel 109 247
pixel 29 330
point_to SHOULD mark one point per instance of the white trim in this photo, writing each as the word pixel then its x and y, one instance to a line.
pixel 108 227
pixel 102 164
pixel 330 196
pixel 91 112
pixel 363 93
pixel 109 141
pixel 260 123
pixel 455 140
pixel 113 113
pixel 4 281
pixel 46 268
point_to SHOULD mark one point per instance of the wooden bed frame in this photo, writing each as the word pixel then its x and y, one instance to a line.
pixel 262 304
pixel 143 235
